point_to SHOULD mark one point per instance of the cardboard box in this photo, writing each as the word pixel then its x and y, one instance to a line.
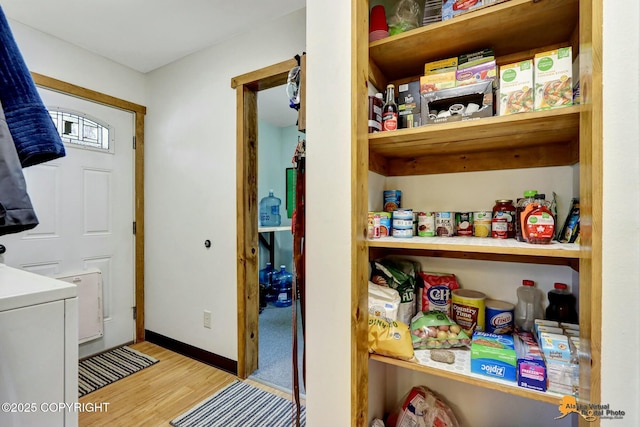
pixel 555 347
pixel 553 79
pixel 476 74
pixel 475 58
pixel 441 66
pixel 493 355
pixel 409 114
pixel 516 88
pixel 457 104
pixel 451 8
pixel 532 370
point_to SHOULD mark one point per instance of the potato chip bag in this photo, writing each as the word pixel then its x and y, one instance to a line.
pixel 390 338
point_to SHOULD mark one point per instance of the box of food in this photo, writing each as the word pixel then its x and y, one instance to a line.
pixel 451 8
pixel 493 355
pixel 553 79
pixel 555 347
pixel 532 370
pixel 516 88
pixel 474 58
pixel 441 66
pixel 476 74
pixel 409 105
pixel 457 104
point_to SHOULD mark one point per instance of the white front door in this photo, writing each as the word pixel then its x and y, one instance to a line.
pixel 84 203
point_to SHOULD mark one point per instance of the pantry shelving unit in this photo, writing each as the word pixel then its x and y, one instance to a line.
pixel 516 30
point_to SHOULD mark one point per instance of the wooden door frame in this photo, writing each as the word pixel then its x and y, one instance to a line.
pixel 247 87
pixel 139 112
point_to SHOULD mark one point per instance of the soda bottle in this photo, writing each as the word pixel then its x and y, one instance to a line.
pixel 528 307
pixel 390 110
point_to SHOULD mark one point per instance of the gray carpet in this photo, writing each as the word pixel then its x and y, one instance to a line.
pixel 275 348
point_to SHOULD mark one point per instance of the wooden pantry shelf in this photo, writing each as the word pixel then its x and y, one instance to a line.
pixel 510 27
pixel 479 248
pixel 463 374
pixel 525 140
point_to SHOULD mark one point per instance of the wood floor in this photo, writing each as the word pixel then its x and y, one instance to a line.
pixel 159 393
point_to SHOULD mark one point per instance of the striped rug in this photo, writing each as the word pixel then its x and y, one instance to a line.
pixel 241 405
pixel 105 368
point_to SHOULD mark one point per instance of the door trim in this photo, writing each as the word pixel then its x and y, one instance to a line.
pixel 247 87
pixel 139 112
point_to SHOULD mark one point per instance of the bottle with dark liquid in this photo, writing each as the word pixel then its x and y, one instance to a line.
pixel 390 110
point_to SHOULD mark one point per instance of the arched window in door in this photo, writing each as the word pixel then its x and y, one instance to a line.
pixel 81 130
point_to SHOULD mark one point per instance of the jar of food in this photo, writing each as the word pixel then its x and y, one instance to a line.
pixel 503 220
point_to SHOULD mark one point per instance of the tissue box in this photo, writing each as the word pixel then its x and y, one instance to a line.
pixel 457 104
pixel 493 355
pixel 532 370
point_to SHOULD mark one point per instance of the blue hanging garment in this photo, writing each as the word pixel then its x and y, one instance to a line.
pixel 34 133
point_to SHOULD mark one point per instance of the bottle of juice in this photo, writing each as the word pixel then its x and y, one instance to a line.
pixel 539 224
pixel 520 206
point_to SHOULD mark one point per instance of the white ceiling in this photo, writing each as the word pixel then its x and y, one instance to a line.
pixel 147 34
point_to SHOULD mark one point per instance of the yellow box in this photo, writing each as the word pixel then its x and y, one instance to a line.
pixel 443 65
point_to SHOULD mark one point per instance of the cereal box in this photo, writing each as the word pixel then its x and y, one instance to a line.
pixel 516 88
pixel 552 78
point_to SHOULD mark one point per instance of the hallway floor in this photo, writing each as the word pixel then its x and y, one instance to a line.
pixel 275 348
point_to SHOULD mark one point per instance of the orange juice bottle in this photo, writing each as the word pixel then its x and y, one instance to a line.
pixel 520 207
pixel 539 223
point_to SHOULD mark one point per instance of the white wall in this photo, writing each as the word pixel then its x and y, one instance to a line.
pixel 190 160
pixel 621 224
pixel 63 61
pixel 328 215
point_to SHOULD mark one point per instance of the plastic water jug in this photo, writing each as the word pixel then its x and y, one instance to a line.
pixel 270 211
pixel 282 285
pixel 529 306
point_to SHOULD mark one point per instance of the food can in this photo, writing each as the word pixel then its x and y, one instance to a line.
pixel 498 317
pixel 426 224
pixel 464 223
pixel 402 223
pixel 445 223
pixel 467 307
pixel 373 225
pixel 385 223
pixel 392 200
pixel 482 223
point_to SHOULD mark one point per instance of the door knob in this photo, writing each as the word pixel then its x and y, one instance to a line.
pixel 3 249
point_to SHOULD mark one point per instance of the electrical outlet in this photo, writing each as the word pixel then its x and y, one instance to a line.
pixel 207 319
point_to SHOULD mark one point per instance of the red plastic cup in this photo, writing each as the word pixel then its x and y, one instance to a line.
pixel 378 19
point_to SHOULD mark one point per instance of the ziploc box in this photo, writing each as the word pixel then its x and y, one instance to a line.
pixel 493 355
pixel 516 88
pixel 552 78
pixel 532 370
pixel 409 105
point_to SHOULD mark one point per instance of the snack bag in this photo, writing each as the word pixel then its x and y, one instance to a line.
pixel 390 338
pixel 434 329
pixel 421 407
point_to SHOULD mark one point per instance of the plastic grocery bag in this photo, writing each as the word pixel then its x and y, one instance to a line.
pixel 421 407
pixel 405 17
